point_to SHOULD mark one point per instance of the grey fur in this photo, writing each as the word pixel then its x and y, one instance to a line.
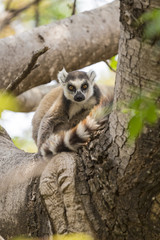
pixel 91 75
pixel 62 75
pixel 59 111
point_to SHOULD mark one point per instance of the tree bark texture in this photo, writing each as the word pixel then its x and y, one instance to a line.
pixel 21 208
pixel 74 43
pixel 110 188
pixel 136 199
pixel 118 182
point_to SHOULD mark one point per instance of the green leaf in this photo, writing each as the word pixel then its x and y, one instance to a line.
pixel 135 126
pixel 143 110
pixel 113 62
pixel 152 24
pixel 150 113
pixel 70 236
pixel 136 103
pixel 8 102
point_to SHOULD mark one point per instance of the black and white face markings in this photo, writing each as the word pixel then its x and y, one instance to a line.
pixel 78 85
pixel 78 88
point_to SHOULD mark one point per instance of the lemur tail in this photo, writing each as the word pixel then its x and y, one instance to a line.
pixel 74 138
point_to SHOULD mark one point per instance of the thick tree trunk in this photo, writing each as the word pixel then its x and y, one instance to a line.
pixel 74 43
pixel 136 199
pixel 110 189
pixel 118 182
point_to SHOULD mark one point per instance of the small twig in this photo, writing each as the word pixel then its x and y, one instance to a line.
pixel 74 8
pixel 31 65
pixel 110 66
pixel 17 11
pixel 37 15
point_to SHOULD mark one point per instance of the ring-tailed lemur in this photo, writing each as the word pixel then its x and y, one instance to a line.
pixel 62 121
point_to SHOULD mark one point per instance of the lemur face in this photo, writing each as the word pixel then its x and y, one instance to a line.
pixel 77 85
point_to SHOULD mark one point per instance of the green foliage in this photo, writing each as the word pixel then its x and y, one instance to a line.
pixel 144 111
pixel 46 10
pixel 113 62
pixel 152 24
pixel 8 102
pixel 49 10
pixel 71 236
pixel 55 10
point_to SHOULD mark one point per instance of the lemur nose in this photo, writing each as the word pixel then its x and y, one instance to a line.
pixel 79 97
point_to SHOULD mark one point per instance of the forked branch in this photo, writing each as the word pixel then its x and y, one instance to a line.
pixel 31 65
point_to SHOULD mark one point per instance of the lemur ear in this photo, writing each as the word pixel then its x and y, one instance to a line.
pixel 62 75
pixel 91 75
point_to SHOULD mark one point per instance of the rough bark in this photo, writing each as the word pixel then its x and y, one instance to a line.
pixel 21 208
pixel 136 187
pixel 59 190
pixel 74 43
pixel 118 182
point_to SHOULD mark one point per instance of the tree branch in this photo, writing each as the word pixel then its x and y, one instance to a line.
pixel 19 184
pixel 58 186
pixel 31 65
pixel 29 100
pixel 62 37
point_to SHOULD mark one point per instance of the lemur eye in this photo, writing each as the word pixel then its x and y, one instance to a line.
pixel 84 86
pixel 71 88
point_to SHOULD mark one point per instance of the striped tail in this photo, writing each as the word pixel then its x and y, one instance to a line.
pixel 74 138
